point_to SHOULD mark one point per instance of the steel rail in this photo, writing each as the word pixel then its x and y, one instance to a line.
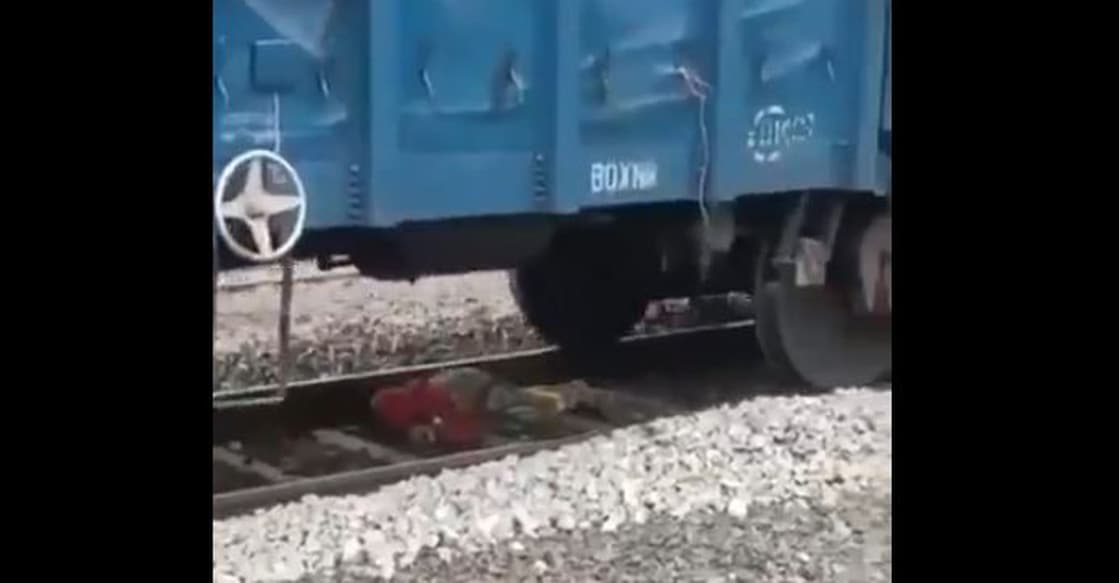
pixel 240 501
pixel 313 405
pixel 505 365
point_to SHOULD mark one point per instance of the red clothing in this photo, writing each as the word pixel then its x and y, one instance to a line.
pixel 421 403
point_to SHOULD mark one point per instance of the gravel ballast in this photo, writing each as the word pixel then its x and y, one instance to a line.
pixel 798 487
pixel 354 325
pixel 361 324
pixel 806 541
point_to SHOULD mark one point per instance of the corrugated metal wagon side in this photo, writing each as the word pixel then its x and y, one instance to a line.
pixel 608 152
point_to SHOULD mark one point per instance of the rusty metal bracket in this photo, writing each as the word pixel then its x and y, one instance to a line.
pixel 784 256
pixel 803 260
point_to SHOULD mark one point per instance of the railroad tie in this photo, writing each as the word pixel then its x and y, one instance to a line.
pixel 260 469
pixel 352 443
pixel 621 408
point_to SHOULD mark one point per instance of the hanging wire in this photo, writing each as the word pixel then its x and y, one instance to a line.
pixel 699 89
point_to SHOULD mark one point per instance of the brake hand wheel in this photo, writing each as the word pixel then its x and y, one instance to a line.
pixel 253 189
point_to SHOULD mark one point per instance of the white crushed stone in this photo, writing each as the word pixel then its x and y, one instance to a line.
pixel 362 324
pixel 398 307
pixel 770 450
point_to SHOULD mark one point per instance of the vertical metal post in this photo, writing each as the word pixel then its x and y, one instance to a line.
pixel 784 257
pixel 786 246
pixel 214 316
pixel 286 284
pixel 835 218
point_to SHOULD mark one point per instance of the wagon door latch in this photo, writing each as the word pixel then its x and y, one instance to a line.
pixel 600 74
pixel 508 85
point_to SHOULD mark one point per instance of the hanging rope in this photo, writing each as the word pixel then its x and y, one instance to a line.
pixel 699 90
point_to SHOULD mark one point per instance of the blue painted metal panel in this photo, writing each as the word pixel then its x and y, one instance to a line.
pixel 405 110
pixel 462 107
pixel 636 128
pixel 886 142
pixel 318 108
pixel 800 80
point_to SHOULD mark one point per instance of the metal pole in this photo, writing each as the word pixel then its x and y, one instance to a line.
pixel 286 284
pixel 214 315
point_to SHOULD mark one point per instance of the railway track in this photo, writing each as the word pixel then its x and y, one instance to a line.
pixel 319 439
pixel 303 272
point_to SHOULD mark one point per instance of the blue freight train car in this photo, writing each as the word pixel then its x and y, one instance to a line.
pixel 607 152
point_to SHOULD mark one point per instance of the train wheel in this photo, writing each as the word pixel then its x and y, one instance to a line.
pixel 769 334
pixel 587 291
pixel 835 334
pixel 765 318
pixel 820 339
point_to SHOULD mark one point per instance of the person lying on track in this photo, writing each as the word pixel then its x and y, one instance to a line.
pixel 456 409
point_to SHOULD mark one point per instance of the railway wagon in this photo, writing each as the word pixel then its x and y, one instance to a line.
pixel 605 152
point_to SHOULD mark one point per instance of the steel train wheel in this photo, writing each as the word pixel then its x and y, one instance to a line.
pixel 766 330
pixel 814 334
pixel 820 340
pixel 580 295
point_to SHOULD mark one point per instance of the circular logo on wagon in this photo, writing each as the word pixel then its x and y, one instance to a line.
pixel 775 131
